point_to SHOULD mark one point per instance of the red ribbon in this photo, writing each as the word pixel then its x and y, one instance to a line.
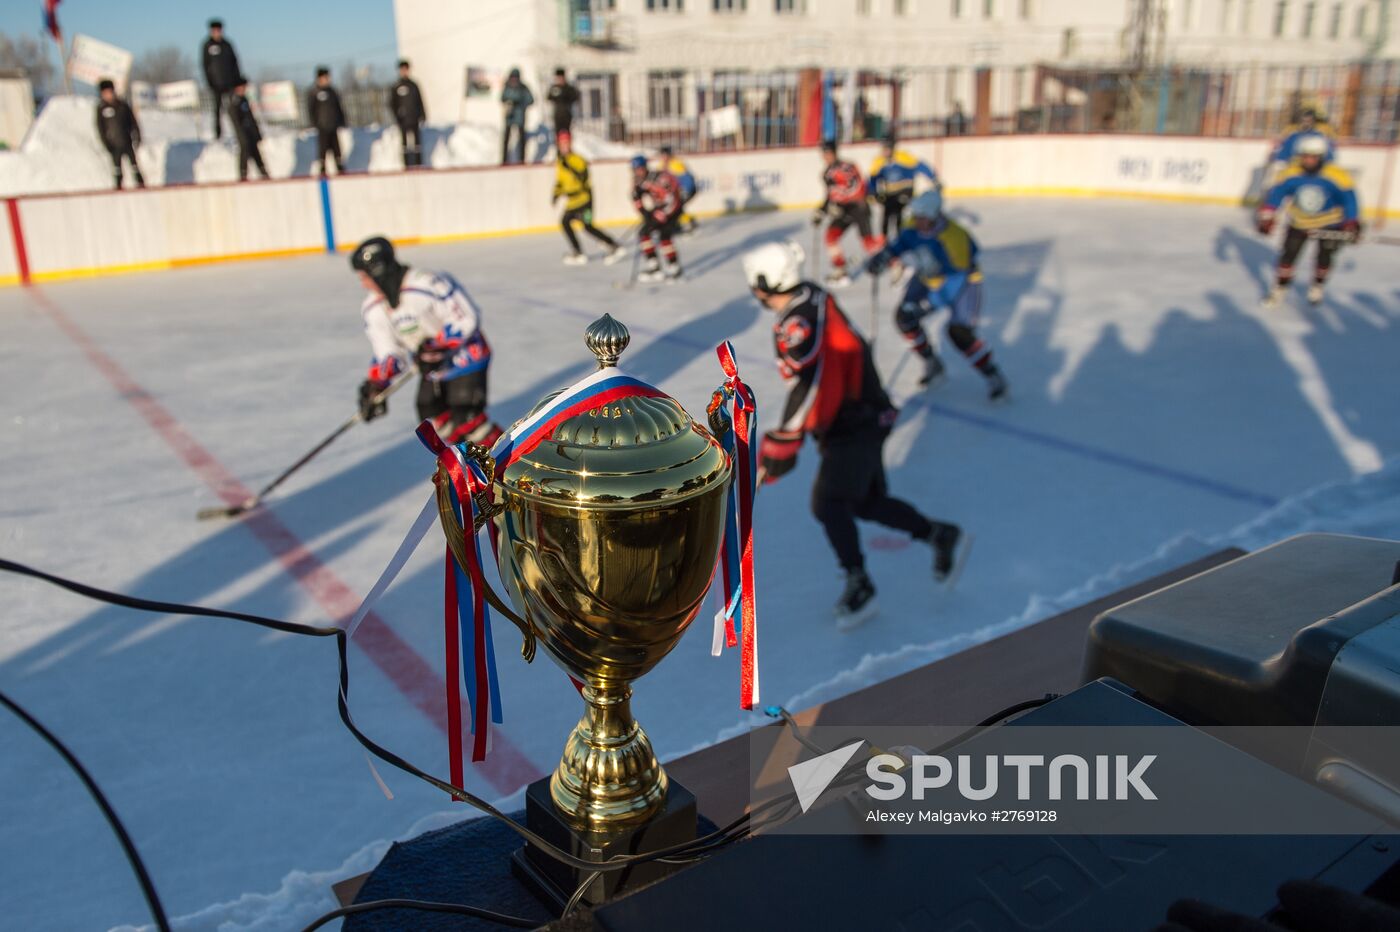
pixel 743 426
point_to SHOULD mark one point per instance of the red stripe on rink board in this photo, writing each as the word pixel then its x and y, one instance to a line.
pixel 507 768
pixel 17 236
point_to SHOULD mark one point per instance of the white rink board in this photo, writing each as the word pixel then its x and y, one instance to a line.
pixel 9 265
pixel 79 235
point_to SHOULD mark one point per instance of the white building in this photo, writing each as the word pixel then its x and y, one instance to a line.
pixel 647 59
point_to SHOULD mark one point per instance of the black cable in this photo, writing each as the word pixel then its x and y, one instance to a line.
pixel 619 862
pixel 148 888
pixel 1014 709
pixel 426 906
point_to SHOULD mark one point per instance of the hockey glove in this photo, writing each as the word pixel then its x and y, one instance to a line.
pixel 1352 229
pixel 777 454
pixel 878 262
pixel 1264 220
pixel 371 405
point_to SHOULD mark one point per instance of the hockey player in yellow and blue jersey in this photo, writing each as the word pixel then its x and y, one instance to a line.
pixel 1321 205
pixel 943 257
pixel 892 176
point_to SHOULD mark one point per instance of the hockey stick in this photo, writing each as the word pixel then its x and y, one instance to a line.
pixel 874 310
pixel 1337 236
pixel 232 511
pixel 636 265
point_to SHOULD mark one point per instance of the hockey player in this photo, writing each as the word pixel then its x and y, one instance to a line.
pixel 422 318
pixel 119 132
pixel 1310 123
pixel 1321 205
pixel 844 205
pixel 406 104
pixel 943 257
pixel 835 395
pixel 327 117
pixel 571 183
pixel 657 197
pixel 892 175
pixel 245 129
pixel 681 172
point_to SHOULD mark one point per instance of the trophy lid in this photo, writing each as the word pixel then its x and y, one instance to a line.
pixel 632 451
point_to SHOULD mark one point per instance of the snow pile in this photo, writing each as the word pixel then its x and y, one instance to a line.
pixel 1368 506
pixel 62 152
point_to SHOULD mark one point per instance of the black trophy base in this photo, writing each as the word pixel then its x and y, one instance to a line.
pixel 555 883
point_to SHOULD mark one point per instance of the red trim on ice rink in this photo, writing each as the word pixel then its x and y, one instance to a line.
pixel 507 769
pixel 17 235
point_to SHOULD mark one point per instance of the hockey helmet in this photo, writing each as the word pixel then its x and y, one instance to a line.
pixel 927 205
pixel 1313 144
pixel 774 267
pixel 375 257
pixel 639 161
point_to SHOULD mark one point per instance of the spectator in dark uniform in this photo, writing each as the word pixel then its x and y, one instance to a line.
pixel 406 103
pixel 245 129
pixel 563 97
pixel 323 109
pixel 119 132
pixel 515 100
pixel 220 68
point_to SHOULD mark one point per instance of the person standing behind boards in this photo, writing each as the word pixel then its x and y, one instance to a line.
pixel 515 100
pixel 323 109
pixel 119 132
pixel 220 69
pixel 406 103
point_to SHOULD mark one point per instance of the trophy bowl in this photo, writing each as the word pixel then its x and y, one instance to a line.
pixel 608 535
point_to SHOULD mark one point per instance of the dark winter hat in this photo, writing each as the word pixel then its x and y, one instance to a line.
pixel 558 72
pixel 105 85
pixel 515 73
pixel 666 150
pixel 216 24
pixel 322 72
pixel 403 62
pixel 240 81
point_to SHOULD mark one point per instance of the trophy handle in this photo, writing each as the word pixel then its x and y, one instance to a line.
pixel 457 539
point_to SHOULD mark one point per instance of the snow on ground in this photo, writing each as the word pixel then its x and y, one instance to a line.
pixel 1158 413
pixel 62 152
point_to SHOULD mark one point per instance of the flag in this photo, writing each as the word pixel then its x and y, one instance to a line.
pixel 51 20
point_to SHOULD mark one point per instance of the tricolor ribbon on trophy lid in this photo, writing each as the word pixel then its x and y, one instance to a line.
pixel 734 415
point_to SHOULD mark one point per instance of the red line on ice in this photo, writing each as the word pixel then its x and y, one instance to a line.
pixel 507 768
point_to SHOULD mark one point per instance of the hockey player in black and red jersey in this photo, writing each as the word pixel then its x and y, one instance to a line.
pixel 845 205
pixel 423 318
pixel 836 396
pixel 657 196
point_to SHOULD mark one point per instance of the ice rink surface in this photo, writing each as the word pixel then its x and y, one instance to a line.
pixel 1155 409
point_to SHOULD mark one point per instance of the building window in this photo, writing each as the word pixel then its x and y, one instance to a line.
pixel 1226 8
pixel 1246 16
pixel 862 7
pixel 789 6
pixel 988 8
pixel 731 6
pixel 1334 25
pixel 1186 15
pixel 665 93
pixel 665 6
pixel 901 7
pixel 1280 17
pixel 957 9
pixel 1309 13
pixel 1363 17
pixel 1025 9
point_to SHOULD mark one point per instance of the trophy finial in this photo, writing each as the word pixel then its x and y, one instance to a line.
pixel 607 339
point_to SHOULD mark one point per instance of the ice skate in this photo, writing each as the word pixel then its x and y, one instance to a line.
pixel 997 387
pixel 950 548
pixel 934 372
pixel 1315 294
pixel 1274 298
pixel 857 603
pixel 617 255
pixel 575 258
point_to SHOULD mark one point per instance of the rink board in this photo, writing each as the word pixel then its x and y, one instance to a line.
pixel 80 235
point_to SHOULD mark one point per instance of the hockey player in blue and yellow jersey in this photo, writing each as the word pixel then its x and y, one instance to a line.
pixel 943 257
pixel 1309 124
pixel 892 175
pixel 1321 205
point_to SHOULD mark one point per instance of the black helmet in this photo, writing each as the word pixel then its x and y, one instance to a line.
pixel 375 257
pixel 829 145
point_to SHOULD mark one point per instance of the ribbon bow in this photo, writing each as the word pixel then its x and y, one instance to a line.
pixel 733 416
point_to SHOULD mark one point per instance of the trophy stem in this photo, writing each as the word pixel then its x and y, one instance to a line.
pixel 609 776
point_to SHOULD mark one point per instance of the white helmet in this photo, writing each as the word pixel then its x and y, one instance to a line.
pixel 774 267
pixel 1313 144
pixel 927 205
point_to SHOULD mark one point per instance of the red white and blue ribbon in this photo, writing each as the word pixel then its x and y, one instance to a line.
pixel 736 624
pixel 469 651
pixel 602 387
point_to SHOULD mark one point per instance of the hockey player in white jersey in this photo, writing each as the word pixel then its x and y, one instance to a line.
pixel 424 318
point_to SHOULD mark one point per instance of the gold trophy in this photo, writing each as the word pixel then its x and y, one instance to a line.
pixel 608 534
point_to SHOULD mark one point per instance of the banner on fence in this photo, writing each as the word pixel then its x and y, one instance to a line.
pixel 724 121
pixel 178 95
pixel 277 100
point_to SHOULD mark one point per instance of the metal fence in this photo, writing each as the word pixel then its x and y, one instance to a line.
pixel 727 110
